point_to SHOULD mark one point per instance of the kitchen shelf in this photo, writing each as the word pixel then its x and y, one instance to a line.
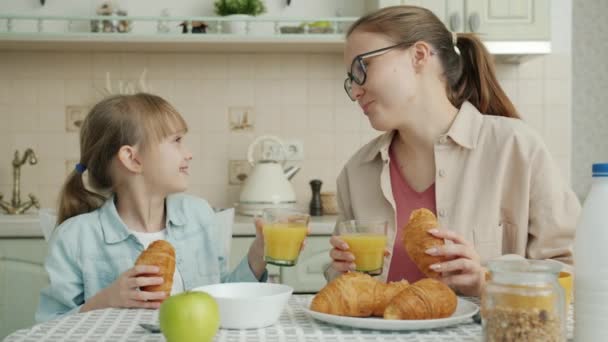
pixel 262 35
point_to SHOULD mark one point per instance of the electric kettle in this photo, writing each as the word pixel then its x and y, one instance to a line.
pixel 267 185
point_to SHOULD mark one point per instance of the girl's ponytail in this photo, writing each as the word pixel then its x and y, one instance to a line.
pixel 75 199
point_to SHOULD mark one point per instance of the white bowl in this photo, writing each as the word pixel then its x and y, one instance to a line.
pixel 248 305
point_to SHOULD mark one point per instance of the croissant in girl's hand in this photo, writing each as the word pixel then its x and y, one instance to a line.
pixel 357 295
pixel 162 254
pixel 417 240
pixel 425 299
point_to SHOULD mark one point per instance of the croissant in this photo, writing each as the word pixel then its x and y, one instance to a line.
pixel 162 254
pixel 384 294
pixel 350 294
pixel 417 240
pixel 357 295
pixel 425 299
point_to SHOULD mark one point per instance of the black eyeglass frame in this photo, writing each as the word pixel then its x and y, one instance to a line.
pixel 359 59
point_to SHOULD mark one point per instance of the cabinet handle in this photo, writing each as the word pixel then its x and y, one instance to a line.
pixel 455 22
pixel 474 22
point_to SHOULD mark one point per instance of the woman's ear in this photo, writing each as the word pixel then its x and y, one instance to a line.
pixel 421 52
pixel 129 158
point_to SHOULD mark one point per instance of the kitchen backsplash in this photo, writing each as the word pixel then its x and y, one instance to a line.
pixel 293 96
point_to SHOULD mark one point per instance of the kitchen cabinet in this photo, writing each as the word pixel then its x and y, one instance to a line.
pixel 22 276
pixel 492 20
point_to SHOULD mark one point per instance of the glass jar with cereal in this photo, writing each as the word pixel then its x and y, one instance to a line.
pixel 523 301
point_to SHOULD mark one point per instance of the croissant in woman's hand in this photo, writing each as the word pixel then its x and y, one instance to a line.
pixel 417 240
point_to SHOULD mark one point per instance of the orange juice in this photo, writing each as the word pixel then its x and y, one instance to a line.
pixel 282 242
pixel 368 250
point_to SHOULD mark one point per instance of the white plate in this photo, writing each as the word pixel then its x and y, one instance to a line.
pixel 464 311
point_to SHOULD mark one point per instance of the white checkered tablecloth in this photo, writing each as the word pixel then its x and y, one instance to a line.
pixel 294 325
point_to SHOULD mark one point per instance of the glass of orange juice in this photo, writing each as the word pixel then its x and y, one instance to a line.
pixel 284 233
pixel 366 239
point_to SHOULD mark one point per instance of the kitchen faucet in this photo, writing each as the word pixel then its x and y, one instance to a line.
pixel 15 207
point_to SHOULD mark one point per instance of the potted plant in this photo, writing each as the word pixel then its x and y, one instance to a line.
pixel 238 9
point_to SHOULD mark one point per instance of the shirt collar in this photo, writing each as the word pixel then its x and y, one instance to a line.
pixel 115 230
pixel 464 132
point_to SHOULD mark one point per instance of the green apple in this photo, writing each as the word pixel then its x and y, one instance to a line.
pixel 189 317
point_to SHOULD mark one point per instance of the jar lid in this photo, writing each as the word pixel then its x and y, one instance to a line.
pixel 524 271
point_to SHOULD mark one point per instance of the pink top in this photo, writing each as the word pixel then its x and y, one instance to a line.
pixel 406 200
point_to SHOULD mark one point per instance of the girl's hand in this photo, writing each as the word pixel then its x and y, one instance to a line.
pixel 342 259
pixel 125 293
pixel 462 271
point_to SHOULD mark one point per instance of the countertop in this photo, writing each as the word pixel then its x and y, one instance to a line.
pixel 28 226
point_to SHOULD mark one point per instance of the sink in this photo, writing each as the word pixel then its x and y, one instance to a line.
pixel 27 225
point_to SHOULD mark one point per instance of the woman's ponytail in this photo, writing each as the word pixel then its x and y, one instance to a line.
pixel 477 82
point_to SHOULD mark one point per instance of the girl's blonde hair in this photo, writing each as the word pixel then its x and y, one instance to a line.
pixel 470 75
pixel 114 122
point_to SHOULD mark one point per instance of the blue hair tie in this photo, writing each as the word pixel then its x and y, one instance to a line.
pixel 80 168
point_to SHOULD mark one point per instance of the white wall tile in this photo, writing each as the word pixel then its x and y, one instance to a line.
pixel 267 92
pixel 161 66
pixel 294 67
pixel 4 90
pixel 294 92
pixel 557 92
pixel 267 119
pixel 23 92
pixel 78 66
pixel 213 66
pixel 50 91
pixel 104 63
pixel 266 67
pixel 23 118
pixel 347 120
pixel 187 92
pixel 79 92
pixel 530 92
pixel 51 118
pixel 241 92
pixel 321 118
pixel 531 69
pixel 188 66
pixel 321 67
pixel 320 92
pixel 240 66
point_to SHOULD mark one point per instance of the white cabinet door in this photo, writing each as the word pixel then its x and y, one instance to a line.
pixel 22 276
pixel 509 20
pixel 307 275
pixel 451 12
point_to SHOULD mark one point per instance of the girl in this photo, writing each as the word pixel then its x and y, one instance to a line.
pixel 131 147
pixel 454 144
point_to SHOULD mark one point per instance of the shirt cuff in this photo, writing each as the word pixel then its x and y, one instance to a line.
pixel 243 272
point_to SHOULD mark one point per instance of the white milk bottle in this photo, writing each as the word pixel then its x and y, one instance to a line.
pixel 591 263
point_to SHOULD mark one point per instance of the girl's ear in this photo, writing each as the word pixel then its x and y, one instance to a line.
pixel 129 158
pixel 421 53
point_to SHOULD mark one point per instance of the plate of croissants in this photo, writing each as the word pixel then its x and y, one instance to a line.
pixel 357 300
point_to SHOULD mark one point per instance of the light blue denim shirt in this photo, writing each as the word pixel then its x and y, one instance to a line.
pixel 88 252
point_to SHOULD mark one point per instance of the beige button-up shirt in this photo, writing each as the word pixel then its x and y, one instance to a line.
pixel 496 185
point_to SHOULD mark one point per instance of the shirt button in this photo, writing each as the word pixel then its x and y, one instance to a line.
pixel 442 213
pixel 441 173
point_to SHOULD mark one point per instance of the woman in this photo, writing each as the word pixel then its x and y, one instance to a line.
pixel 454 144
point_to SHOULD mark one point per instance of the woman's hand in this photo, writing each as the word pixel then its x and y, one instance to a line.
pixel 342 259
pixel 462 270
pixel 124 292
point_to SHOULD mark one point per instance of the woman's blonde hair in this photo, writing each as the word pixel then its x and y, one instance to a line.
pixel 114 122
pixel 470 74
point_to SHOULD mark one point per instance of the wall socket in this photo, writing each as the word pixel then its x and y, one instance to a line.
pixel 74 117
pixel 238 170
pixel 294 150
